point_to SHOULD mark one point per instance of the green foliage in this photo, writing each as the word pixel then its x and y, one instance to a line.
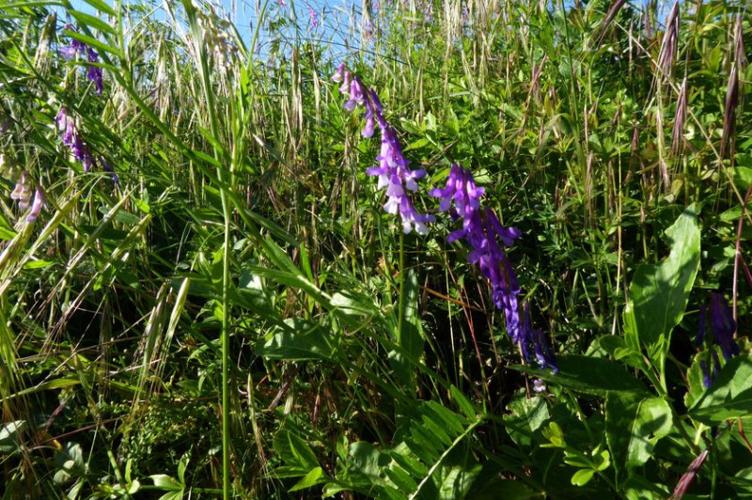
pixel 236 312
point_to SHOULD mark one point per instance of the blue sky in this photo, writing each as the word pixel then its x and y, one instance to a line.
pixel 334 16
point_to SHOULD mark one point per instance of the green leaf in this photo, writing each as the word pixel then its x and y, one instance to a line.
pixel 654 420
pixel 508 489
pixel 314 477
pixel 658 294
pixel 621 410
pixel 165 482
pixel 295 453
pixel 742 177
pixel 730 396
pixel 582 477
pixel 304 341
pixel 92 21
pixel 102 6
pixel 410 339
pixel 465 406
pixel 525 417
pixel 588 375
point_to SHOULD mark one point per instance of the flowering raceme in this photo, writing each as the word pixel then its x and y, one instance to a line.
pixel 66 125
pixel 392 169
pixel 723 326
pixel 76 47
pixel 482 230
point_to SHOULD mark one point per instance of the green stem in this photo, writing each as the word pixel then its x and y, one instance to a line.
pixel 402 291
pixel 225 349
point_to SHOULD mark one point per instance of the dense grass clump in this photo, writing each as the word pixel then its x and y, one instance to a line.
pixel 397 249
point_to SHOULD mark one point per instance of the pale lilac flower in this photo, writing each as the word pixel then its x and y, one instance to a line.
pixel 539 385
pixel 339 74
pixel 36 206
pixel 22 191
pixel 313 17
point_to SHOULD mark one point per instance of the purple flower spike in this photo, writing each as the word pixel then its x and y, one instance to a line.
pixel 76 47
pixel 543 353
pixel 482 231
pixel 73 140
pixel 392 171
pixel 94 73
pixel 461 189
pixel 723 325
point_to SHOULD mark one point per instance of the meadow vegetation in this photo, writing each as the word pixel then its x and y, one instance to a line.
pixel 203 293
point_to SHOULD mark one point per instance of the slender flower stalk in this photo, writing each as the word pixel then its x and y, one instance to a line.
pixel 392 170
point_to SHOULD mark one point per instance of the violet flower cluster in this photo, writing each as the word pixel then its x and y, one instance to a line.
pixel 723 326
pixel 66 124
pixel 392 171
pixel 71 137
pixel 482 230
pixel 76 47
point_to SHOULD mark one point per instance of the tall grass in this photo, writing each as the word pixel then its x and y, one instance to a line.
pixel 236 315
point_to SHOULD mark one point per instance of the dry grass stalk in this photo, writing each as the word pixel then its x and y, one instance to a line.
pixel 677 143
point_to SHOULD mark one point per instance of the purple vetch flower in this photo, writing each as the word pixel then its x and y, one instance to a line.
pixel 710 373
pixel 313 17
pixel 723 325
pixel 94 73
pixel 108 168
pixel 71 50
pixel 22 191
pixel 460 189
pixel 392 170
pixel 339 74
pixel 36 206
pixel 531 336
pixel 539 385
pixel 482 230
pixel 76 47
pixel 71 138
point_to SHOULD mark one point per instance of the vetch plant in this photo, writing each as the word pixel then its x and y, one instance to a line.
pixel 482 230
pixel 393 171
pixel 79 48
pixel 72 138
